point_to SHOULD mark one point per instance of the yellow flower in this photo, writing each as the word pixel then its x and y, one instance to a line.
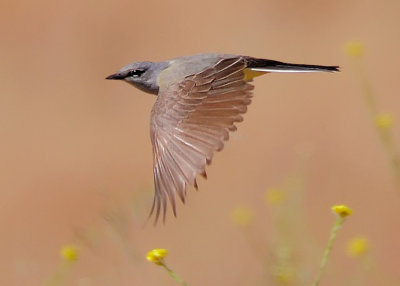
pixel 274 196
pixel 284 275
pixel 69 253
pixel 357 246
pixel 384 121
pixel 342 210
pixel 242 216
pixel 157 256
pixel 354 49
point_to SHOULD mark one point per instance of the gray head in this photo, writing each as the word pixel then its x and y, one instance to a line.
pixel 142 75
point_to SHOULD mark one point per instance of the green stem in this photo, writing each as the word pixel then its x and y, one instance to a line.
pixel 394 158
pixel 328 249
pixel 174 275
pixel 385 135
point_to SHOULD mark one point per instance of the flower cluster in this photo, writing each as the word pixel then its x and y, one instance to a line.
pixel 384 121
pixel 342 210
pixel 357 246
pixel 157 256
pixel 69 253
pixel 242 216
pixel 354 49
pixel 274 196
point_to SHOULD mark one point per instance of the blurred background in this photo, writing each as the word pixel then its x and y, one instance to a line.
pixel 76 157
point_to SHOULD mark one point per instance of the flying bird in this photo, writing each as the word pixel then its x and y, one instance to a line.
pixel 199 100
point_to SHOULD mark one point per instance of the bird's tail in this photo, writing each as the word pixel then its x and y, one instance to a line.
pixel 263 65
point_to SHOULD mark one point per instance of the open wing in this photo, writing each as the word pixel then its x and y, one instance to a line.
pixel 191 120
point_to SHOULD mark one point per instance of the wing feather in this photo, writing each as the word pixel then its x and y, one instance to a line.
pixel 190 121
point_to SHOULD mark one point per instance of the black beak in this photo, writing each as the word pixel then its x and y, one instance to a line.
pixel 115 76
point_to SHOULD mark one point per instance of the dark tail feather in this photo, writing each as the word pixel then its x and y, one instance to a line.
pixel 275 66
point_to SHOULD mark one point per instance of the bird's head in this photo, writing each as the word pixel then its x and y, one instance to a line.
pixel 142 75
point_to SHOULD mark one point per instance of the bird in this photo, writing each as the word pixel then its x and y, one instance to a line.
pixel 200 98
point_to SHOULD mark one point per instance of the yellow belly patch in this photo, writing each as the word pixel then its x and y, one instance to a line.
pixel 250 74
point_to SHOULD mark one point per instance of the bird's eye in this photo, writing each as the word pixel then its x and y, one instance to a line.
pixel 135 73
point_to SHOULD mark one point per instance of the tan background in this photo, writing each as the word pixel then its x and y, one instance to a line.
pixel 75 148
